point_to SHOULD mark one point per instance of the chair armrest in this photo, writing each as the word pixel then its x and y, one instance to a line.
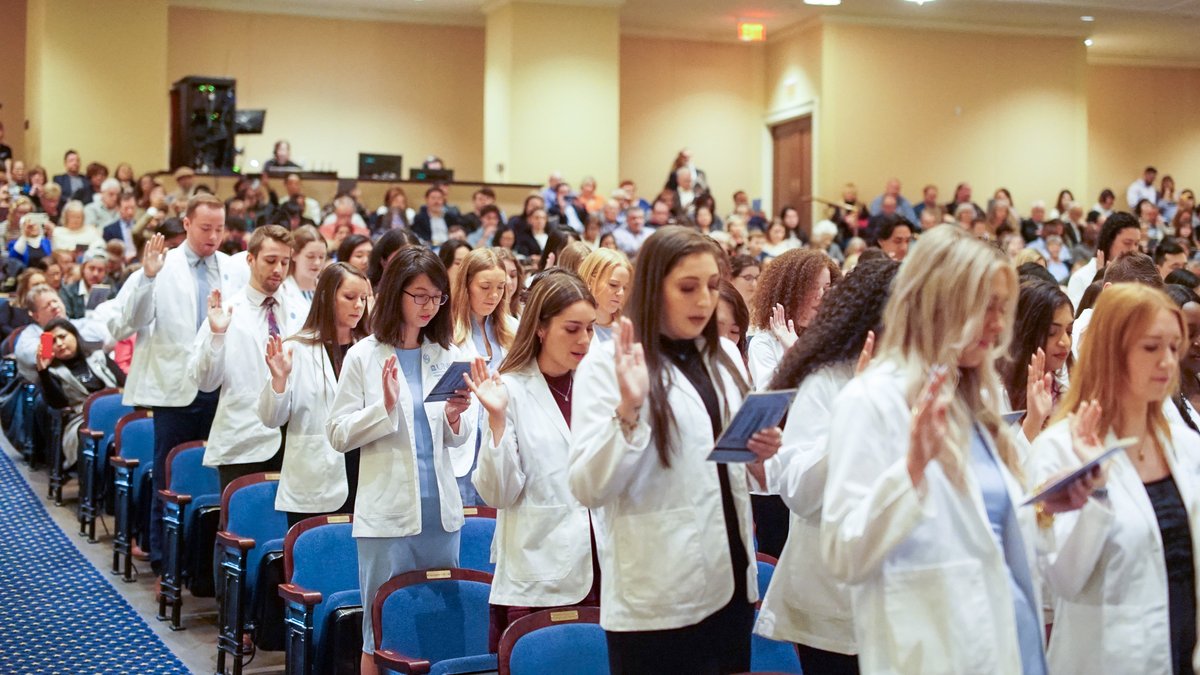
pixel 97 435
pixel 399 662
pixel 230 540
pixel 174 497
pixel 300 596
pixel 123 463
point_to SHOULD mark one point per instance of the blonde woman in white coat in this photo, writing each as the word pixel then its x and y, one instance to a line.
pixel 315 479
pixel 1123 567
pixel 673 530
pixel 483 328
pixel 407 513
pixel 805 604
pixel 543 544
pixel 921 512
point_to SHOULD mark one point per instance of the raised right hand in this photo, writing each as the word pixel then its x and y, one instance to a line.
pixel 279 362
pixel 391 383
pixel 490 391
pixel 783 328
pixel 632 377
pixel 929 427
pixel 218 316
pixel 153 256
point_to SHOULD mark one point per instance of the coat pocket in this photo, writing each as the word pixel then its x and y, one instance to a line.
pixel 940 620
pixel 312 470
pixel 541 542
pixel 659 558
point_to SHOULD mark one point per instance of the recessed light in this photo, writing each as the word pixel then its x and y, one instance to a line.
pixel 920 2
pixel 823 3
pixel 1087 17
pixel 1087 42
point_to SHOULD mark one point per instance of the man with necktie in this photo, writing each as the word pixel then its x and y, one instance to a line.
pixel 229 355
pixel 165 309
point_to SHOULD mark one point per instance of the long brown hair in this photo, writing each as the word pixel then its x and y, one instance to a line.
pixel 657 257
pixel 479 260
pixel 552 292
pixel 320 326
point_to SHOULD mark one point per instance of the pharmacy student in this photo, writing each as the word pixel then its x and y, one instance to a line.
pixel 607 272
pixel 483 328
pixel 1123 572
pixel 805 604
pixel 544 554
pixel 673 529
pixel 315 479
pixel 922 513
pixel 407 513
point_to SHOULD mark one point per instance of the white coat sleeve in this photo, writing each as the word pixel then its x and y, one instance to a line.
pixel 275 409
pixel 138 311
pixel 353 421
pixel 603 459
pixel 762 359
pixel 870 503
pixel 499 477
pixel 1070 550
pixel 803 457
pixel 206 362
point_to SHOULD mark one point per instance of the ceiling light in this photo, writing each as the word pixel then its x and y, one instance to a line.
pixel 1087 42
pixel 1087 17
pixel 749 31
pixel 920 2
pixel 823 3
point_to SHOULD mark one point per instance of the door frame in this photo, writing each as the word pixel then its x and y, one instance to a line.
pixel 775 118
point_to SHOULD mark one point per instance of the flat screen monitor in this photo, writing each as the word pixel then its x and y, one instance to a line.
pixel 372 166
pixel 248 121
pixel 446 175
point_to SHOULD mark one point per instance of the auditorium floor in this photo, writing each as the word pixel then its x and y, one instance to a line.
pixel 195 646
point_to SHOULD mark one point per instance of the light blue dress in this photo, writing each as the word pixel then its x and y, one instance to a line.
pixel 1007 534
pixel 381 558
pixel 470 497
pixel 604 333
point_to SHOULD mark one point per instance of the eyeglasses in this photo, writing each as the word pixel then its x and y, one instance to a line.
pixel 422 300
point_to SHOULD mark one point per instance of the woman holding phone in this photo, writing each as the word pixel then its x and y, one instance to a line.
pixel 673 529
pixel 304 369
pixel 407 514
pixel 921 514
pixel 544 555
pixel 1123 572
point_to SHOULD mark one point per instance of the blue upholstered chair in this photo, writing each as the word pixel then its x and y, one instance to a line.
pixel 190 486
pixel 555 641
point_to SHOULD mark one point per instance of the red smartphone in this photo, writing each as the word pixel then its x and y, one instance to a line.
pixel 47 352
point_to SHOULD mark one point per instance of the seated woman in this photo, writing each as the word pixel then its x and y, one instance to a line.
pixel 76 370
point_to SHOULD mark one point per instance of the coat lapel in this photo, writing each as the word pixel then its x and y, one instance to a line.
pixel 539 391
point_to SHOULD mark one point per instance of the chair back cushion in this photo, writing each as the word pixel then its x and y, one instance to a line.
pixel 437 620
pixel 577 648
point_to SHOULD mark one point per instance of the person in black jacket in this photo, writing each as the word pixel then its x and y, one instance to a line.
pixel 432 223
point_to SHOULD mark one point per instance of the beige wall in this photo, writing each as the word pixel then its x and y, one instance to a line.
pixel 336 88
pixel 793 67
pixel 12 75
pixel 707 97
pixel 939 107
pixel 552 89
pixel 1142 116
pixel 76 93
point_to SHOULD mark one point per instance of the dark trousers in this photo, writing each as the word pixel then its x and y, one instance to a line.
pixel 820 662
pixel 717 645
pixel 231 472
pixel 771 521
pixel 173 426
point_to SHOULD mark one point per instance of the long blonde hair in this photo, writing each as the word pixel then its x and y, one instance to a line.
pixel 1122 314
pixel 937 310
pixel 479 260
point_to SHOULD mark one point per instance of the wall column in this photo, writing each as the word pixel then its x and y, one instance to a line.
pixel 552 90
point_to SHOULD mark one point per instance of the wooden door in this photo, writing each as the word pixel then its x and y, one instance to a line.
pixel 792 143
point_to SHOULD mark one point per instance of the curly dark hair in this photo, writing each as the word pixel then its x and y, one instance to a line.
pixel 837 334
pixel 788 280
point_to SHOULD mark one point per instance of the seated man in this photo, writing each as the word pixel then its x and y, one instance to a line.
pixel 43 305
pixel 93 271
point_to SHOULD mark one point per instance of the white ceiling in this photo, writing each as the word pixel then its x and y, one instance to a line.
pixel 1128 30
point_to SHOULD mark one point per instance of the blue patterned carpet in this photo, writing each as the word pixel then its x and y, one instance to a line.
pixel 57 613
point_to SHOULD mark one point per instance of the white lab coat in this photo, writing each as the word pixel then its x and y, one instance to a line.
pixel 543 539
pixel 388 503
pixel 1078 284
pixel 464 461
pixel 162 311
pixel 235 363
pixel 660 532
pixel 295 298
pixel 930 589
pixel 1107 567
pixel 763 356
pixel 313 479
pixel 805 603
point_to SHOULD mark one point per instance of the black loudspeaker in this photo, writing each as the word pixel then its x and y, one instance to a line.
pixel 203 123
